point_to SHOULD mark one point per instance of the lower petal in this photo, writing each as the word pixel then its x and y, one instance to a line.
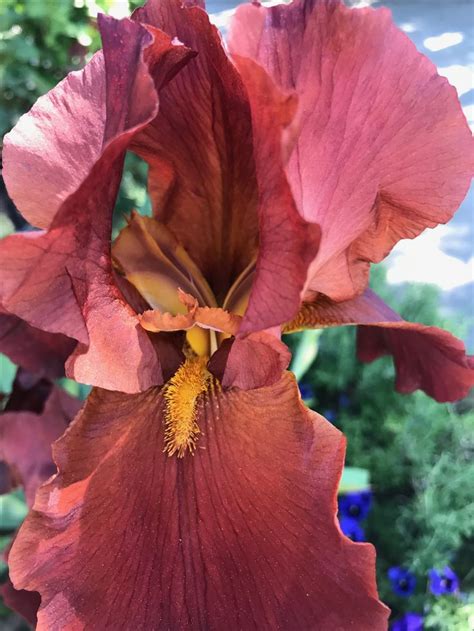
pixel 241 535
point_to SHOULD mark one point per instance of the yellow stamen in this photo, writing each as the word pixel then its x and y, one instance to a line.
pixel 181 394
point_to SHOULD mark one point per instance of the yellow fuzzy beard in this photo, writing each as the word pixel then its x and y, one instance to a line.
pixel 181 394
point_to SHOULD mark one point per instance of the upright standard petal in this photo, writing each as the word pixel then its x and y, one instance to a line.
pixel 202 175
pixel 216 177
pixel 425 357
pixel 128 536
pixel 61 280
pixel 381 148
pixel 287 243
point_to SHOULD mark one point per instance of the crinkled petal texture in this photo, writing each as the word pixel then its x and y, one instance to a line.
pixel 213 180
pixel 241 536
pixel 425 357
pixel 37 351
pixel 73 142
pixel 380 149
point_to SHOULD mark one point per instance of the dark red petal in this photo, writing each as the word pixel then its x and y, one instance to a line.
pixel 250 362
pixel 242 535
pixel 23 602
pixel 27 438
pixel 382 148
pixel 37 351
pixel 287 244
pixel 61 281
pixel 202 175
pixel 425 357
pixel 216 177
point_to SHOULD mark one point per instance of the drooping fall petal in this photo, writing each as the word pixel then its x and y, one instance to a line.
pixel 212 180
pixel 381 148
pixel 242 535
pixel 425 357
pixel 61 280
pixel 35 350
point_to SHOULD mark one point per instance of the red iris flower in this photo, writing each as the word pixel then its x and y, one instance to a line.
pixel 194 489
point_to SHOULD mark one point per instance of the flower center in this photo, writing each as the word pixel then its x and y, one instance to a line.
pixel 154 262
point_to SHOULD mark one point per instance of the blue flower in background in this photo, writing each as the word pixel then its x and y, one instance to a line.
pixel 403 581
pixel 344 400
pixel 329 415
pixel 443 581
pixel 356 505
pixel 352 529
pixel 409 622
pixel 306 390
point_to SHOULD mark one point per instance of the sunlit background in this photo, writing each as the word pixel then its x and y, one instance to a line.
pixel 408 483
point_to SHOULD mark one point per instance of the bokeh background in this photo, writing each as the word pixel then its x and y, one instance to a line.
pixel 408 484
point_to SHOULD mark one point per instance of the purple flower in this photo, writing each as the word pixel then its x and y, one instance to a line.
pixel 403 581
pixel 355 505
pixel 443 581
pixel 409 622
pixel 352 529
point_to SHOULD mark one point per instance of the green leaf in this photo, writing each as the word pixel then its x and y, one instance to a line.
pixel 13 510
pixel 354 479
pixel 7 374
pixel 75 389
pixel 305 353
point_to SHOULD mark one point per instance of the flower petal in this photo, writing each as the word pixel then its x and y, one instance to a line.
pixel 23 602
pixel 287 244
pixel 215 182
pixel 243 534
pixel 202 177
pixel 61 281
pixel 382 148
pixel 35 350
pixel 254 361
pixel 27 433
pixel 425 357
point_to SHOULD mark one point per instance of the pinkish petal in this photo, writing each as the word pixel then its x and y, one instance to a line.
pixel 382 147
pixel 250 362
pixel 216 177
pixel 287 244
pixel 242 535
pixel 425 357
pixel 61 281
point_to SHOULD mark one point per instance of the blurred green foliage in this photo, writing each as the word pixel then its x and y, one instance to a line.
pixel 39 43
